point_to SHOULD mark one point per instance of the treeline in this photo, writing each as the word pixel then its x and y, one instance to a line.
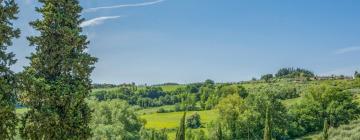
pixel 207 94
pixel 294 72
pixel 289 73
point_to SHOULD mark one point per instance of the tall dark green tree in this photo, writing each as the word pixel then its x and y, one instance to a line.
pixel 57 81
pixel 219 133
pixel 267 129
pixel 8 120
pixel 326 130
pixel 180 134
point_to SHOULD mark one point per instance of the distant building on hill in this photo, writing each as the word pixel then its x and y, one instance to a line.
pixel 333 77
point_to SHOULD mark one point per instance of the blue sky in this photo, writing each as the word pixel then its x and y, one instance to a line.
pixel 184 41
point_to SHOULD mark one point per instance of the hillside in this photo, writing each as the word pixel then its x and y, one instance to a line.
pixel 166 116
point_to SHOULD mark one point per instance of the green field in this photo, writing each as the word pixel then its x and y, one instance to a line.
pixel 171 120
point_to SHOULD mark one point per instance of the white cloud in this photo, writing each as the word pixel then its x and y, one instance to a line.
pixel 97 21
pixel 123 6
pixel 347 50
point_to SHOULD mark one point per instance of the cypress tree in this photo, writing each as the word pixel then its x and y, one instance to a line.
pixel 57 81
pixel 325 130
pixel 220 133
pixel 8 119
pixel 180 134
pixel 267 129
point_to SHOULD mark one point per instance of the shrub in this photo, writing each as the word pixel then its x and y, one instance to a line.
pixel 193 121
pixel 161 110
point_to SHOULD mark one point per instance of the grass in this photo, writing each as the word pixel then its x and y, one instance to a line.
pixel 290 102
pixel 350 131
pixel 171 87
pixel 171 120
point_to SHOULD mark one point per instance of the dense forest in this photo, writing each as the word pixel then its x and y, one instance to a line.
pixel 54 98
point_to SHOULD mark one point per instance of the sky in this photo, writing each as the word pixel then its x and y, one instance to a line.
pixel 185 41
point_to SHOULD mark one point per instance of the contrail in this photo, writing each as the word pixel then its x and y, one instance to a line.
pixel 347 50
pixel 97 21
pixel 123 6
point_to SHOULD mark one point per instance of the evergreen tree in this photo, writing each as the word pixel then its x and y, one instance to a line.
pixel 57 81
pixel 325 130
pixel 220 133
pixel 267 129
pixel 180 134
pixel 8 120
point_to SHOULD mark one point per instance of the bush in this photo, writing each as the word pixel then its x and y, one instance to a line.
pixel 193 121
pixel 152 134
pixel 161 110
pixel 294 73
pixel 267 77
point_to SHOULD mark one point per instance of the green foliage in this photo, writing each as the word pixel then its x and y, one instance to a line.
pixel 267 77
pixel 207 97
pixel 294 73
pixel 320 102
pixel 357 74
pixel 209 82
pixel 287 92
pixel 196 134
pixel 57 81
pixel 152 134
pixel 325 130
pixel 115 119
pixel 267 129
pixel 219 133
pixel 230 108
pixel 152 96
pixel 188 102
pixel 242 118
pixel 215 130
pixel 193 121
pixel 180 134
pixel 8 119
pixel 161 110
pixel 225 90
pixel 349 131
pixel 258 104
